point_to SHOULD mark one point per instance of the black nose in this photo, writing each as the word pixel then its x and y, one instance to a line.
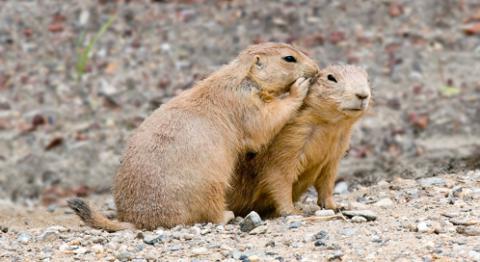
pixel 361 96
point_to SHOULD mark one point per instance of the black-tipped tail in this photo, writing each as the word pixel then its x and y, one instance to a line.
pixel 80 208
pixel 96 219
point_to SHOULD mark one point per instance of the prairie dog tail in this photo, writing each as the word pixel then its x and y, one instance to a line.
pixel 95 219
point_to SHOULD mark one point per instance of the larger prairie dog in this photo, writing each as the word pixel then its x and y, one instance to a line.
pixel 178 162
pixel 307 150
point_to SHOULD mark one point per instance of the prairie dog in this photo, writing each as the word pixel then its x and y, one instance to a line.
pixel 178 162
pixel 307 150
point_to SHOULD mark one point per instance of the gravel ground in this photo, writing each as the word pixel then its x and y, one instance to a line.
pixel 430 219
pixel 62 135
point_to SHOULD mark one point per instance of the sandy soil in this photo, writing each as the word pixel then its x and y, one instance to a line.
pixel 432 219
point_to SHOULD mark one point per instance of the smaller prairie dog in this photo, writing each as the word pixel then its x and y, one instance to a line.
pixel 179 161
pixel 307 151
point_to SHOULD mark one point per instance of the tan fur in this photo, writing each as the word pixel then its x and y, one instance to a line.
pixel 178 163
pixel 307 150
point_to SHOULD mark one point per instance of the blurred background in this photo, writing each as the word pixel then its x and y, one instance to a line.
pixel 76 77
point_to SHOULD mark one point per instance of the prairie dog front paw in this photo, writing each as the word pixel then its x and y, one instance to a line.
pixel 300 87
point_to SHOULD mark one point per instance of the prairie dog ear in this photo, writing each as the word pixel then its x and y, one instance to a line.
pixel 258 62
pixel 244 63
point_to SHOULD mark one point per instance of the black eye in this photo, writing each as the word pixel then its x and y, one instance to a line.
pixel 290 59
pixel 331 78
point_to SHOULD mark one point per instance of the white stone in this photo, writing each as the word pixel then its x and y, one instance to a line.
pixel 97 249
pixel 324 213
pixel 341 188
pixel 359 219
pixel 199 251
pixel 384 202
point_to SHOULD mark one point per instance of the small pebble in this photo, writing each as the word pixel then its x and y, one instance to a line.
pixel 198 251
pixel 236 221
pixel 197 231
pixel 80 251
pixel 474 255
pixel 341 188
pixel 338 254
pixel 432 181
pixel 295 224
pixel 424 227
pixel 429 227
pixel 251 221
pixel 97 249
pixel 24 238
pixel 464 221
pixel 175 248
pixel 236 254
pixel 377 239
pixel 258 230
pixel 369 215
pixel 469 230
pixel 124 256
pixel 321 235
pixel 152 239
pixel 4 229
pixel 139 247
pixel 270 243
pixel 384 202
pixel 48 235
pixel 253 258
pixel 348 232
pixel 359 219
pixel 51 208
pixel 451 214
pixel 324 213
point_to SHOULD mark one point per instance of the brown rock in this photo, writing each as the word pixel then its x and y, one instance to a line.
pixel 336 37
pixel 38 120
pixel 313 40
pixel 469 230
pixel 56 26
pixel 464 221
pixel 472 29
pixel 56 141
pixel 4 81
pixel 417 120
pixel 4 124
pixel 395 9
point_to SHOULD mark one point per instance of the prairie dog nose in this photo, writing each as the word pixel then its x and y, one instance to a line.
pixel 361 96
pixel 313 72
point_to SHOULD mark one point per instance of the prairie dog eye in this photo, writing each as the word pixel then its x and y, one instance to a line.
pixel 331 78
pixel 289 59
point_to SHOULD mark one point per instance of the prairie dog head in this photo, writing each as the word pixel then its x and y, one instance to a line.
pixel 342 89
pixel 275 66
